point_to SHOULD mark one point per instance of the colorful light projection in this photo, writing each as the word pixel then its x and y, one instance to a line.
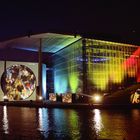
pixel 67 82
pixel 73 80
pixel 107 63
pixel 73 75
pixel 132 65
pixel 73 65
pixel 110 71
pixel 61 84
pixel 18 82
pixel 66 73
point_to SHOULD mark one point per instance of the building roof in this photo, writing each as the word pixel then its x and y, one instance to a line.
pixel 51 42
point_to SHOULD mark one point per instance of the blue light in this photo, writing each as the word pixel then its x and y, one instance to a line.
pixel 60 84
pixel 25 48
pixel 99 59
pixel 44 81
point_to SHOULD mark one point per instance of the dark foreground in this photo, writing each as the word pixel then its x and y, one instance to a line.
pixel 69 105
pixel 24 123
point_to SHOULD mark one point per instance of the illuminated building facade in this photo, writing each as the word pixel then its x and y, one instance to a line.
pixel 93 66
pixel 76 64
pixel 68 69
pixel 111 66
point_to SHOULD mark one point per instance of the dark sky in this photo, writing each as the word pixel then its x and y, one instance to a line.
pixel 104 19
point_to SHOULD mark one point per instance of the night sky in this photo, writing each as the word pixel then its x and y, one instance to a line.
pixel 102 19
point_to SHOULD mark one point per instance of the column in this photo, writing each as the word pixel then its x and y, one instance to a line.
pixel 39 88
pixel 84 67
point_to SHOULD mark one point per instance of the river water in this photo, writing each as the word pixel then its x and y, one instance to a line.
pixel 70 124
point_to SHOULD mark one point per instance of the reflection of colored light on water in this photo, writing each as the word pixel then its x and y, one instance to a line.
pixel 73 80
pixel 5 120
pixel 73 121
pixel 43 120
pixel 98 120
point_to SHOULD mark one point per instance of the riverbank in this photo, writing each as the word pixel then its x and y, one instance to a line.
pixel 37 104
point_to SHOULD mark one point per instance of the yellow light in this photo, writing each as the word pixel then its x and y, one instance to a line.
pixel 5 97
pixel 97 98
pixel 40 98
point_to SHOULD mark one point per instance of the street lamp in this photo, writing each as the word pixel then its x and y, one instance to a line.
pixel 97 98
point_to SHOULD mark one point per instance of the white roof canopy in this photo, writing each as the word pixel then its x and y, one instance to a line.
pixel 51 42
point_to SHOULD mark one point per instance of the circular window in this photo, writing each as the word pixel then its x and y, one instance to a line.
pixel 18 82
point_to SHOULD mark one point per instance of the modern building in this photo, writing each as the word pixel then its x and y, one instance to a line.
pixel 72 64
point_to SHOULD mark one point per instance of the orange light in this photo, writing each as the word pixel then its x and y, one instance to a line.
pixel 40 98
pixel 97 98
pixel 5 97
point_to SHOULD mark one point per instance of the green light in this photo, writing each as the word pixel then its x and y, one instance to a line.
pixel 66 67
pixel 73 80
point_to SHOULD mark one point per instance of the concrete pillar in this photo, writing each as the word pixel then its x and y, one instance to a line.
pixel 39 88
pixel 84 67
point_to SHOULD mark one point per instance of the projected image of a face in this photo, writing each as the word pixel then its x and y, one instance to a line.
pixel 18 82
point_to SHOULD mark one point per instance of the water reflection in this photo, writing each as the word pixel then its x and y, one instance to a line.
pixel 42 123
pixel 67 124
pixel 61 124
pixel 135 114
pixel 43 119
pixel 86 124
pixel 5 120
pixel 73 124
pixel 97 120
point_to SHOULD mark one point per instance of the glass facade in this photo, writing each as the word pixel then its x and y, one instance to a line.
pixel 111 66
pixel 93 66
pixel 68 69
